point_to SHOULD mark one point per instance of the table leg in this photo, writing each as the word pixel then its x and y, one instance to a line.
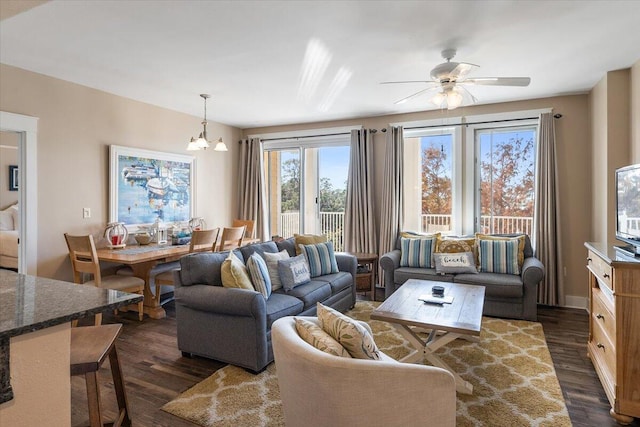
pixel 151 306
pixel 424 349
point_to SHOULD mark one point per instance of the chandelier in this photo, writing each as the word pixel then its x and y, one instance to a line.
pixel 202 143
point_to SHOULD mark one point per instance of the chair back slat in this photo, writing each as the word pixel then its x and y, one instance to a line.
pixel 84 258
pixel 231 238
pixel 204 240
pixel 250 224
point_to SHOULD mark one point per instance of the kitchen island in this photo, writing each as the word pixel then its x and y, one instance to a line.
pixel 35 322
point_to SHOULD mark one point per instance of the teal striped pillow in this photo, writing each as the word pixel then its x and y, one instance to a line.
pixel 321 258
pixel 499 256
pixel 416 252
pixel 259 274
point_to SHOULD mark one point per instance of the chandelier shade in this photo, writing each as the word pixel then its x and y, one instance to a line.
pixel 202 143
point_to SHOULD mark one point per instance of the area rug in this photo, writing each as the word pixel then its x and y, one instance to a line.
pixel 514 382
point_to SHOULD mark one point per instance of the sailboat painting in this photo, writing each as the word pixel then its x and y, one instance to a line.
pixel 147 185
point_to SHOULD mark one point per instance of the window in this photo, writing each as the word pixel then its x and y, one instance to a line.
pixel 460 178
pixel 307 186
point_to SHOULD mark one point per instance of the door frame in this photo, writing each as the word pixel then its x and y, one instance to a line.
pixel 27 129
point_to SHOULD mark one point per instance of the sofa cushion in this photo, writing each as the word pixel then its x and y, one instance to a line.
pixel 280 305
pixel 234 273
pixel 416 252
pixel 310 293
pixel 495 284
pixel 402 274
pixel 349 333
pixel 259 274
pixel 260 248
pixel 293 272
pixel 307 239
pixel 321 258
pixel 315 336
pixel 272 266
pixel 203 268
pixel 499 256
pixel 338 281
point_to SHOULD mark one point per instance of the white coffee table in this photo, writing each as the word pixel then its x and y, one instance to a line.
pixel 445 323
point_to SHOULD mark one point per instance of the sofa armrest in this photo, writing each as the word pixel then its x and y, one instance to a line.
pixel 347 263
pixel 532 271
pixel 389 262
pixel 217 299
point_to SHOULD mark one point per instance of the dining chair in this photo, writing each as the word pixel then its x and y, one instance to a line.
pixel 84 260
pixel 231 238
pixel 250 224
pixel 201 240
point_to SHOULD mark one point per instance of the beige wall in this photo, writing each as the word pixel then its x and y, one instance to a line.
pixel 574 156
pixel 75 128
pixel 8 156
pixel 611 110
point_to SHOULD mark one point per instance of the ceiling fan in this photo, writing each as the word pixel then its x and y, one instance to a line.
pixel 449 79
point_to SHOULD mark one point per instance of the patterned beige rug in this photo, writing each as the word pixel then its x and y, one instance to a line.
pixel 513 379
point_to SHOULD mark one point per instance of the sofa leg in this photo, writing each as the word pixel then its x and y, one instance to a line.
pixel 251 371
pixel 187 355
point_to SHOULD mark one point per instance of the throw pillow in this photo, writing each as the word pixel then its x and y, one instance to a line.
pixel 314 335
pixel 348 332
pixel 6 220
pixel 521 242
pixel 321 258
pixel 234 273
pixel 259 274
pixel 416 252
pixel 414 235
pixel 499 256
pixel 293 272
pixel 455 244
pixel 272 265
pixel 307 239
pixel 459 262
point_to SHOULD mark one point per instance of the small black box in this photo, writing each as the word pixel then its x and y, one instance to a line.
pixel 437 291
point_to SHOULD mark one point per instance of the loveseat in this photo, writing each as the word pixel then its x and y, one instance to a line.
pixel 506 295
pixel 233 325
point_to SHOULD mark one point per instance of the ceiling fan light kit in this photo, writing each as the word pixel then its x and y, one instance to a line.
pixel 450 79
pixel 202 143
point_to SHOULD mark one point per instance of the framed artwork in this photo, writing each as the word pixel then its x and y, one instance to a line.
pixel 146 185
pixel 13 178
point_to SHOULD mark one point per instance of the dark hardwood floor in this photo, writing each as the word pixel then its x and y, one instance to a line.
pixel 155 371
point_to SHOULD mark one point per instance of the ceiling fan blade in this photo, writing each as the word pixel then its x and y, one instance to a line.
pixel 461 70
pixel 408 81
pixel 499 81
pixel 403 100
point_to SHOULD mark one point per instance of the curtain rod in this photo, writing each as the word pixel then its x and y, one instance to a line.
pixel 312 136
pixel 556 116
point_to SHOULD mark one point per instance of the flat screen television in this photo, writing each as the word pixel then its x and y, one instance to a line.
pixel 628 207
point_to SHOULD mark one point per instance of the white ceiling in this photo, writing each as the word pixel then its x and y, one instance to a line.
pixel 249 55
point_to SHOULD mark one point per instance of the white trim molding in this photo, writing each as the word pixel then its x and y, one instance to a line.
pixel 27 129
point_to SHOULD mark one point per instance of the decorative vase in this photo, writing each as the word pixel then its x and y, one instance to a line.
pixel 116 234
pixel 197 223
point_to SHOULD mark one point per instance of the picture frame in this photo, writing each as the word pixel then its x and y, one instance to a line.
pixel 145 185
pixel 14 174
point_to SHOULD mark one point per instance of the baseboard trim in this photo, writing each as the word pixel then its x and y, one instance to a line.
pixel 572 301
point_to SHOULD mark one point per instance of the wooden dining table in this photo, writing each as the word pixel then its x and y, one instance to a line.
pixel 142 259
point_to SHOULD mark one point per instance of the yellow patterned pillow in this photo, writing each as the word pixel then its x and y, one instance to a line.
pixel 451 245
pixel 348 332
pixel 234 273
pixel 307 239
pixel 314 335
pixel 521 242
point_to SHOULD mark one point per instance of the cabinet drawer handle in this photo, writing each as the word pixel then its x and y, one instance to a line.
pixel 599 316
pixel 601 346
pixel 606 276
pixel 589 260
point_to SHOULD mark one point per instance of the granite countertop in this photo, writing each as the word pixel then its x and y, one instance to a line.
pixel 29 303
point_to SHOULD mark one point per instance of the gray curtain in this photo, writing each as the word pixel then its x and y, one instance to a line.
pixel 359 224
pixel 392 197
pixel 547 214
pixel 251 186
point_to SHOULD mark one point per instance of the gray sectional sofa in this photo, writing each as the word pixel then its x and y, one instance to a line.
pixel 506 295
pixel 234 325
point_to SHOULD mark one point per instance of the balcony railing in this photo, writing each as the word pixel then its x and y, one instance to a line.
pixel 332 224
